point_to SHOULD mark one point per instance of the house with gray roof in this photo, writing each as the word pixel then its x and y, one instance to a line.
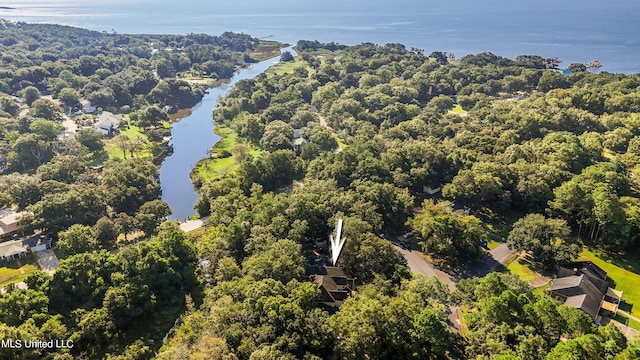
pixel 107 123
pixel 584 286
pixel 11 250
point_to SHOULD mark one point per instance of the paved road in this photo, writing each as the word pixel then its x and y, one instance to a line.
pixel 419 265
pixel 70 127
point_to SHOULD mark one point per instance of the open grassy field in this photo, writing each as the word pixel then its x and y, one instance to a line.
pixel 288 67
pixel 625 272
pixel 16 270
pixel 212 168
pixel 135 135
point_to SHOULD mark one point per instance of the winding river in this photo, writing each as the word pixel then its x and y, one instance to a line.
pixel 192 138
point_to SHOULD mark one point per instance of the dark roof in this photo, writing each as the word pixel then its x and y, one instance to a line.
pixel 333 283
pixel 36 240
pixel 580 291
pixel 583 267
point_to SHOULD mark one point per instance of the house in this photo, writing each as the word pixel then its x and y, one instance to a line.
pixel 37 242
pixel 87 107
pixel 299 144
pixel 10 222
pixel 585 287
pixel 297 133
pixel 11 250
pixel 107 123
pixel 431 189
pixel 334 285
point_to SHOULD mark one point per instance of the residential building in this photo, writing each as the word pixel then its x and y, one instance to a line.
pixel 87 107
pixel 432 189
pixel 107 123
pixel 15 249
pixel 11 250
pixel 299 144
pixel 335 286
pixel 584 286
pixel 10 222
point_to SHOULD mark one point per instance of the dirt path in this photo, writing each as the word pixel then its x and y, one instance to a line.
pixel 323 122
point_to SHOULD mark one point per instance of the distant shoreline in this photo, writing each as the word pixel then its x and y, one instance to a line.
pixel 6 8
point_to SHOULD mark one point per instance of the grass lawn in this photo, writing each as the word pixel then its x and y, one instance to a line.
pixel 463 310
pixel 458 109
pixel 16 270
pixel 542 290
pixel 212 168
pixel 282 68
pixel 521 268
pixel 625 272
pixel 134 133
pixel 627 321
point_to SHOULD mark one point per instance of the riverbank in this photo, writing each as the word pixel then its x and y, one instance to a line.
pixel 221 160
pixel 193 138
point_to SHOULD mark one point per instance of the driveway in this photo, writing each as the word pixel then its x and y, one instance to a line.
pixel 70 127
pixel 501 253
pixel 47 260
pixel 419 265
pixel 487 263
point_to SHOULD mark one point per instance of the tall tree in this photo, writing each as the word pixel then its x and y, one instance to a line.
pixel 547 240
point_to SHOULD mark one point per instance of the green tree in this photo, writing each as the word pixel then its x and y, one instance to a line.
pixel 63 168
pixel 69 97
pixel 46 109
pixel 125 224
pixel 131 184
pixel 151 214
pixel 90 138
pixel 282 261
pixel 105 232
pixel 547 240
pixel 448 236
pixel 277 136
pixel 30 94
pixel 430 335
pixel 77 239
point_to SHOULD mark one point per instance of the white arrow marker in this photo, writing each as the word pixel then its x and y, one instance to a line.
pixel 336 243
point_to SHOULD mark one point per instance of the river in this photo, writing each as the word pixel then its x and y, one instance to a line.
pixel 192 138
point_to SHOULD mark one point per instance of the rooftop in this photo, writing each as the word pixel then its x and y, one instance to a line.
pixel 107 119
pixel 10 248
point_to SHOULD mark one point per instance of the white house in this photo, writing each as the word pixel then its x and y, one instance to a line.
pixel 87 107
pixel 107 122
pixel 11 250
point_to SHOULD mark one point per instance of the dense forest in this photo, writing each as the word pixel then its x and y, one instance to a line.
pixel 553 154
pixel 351 132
